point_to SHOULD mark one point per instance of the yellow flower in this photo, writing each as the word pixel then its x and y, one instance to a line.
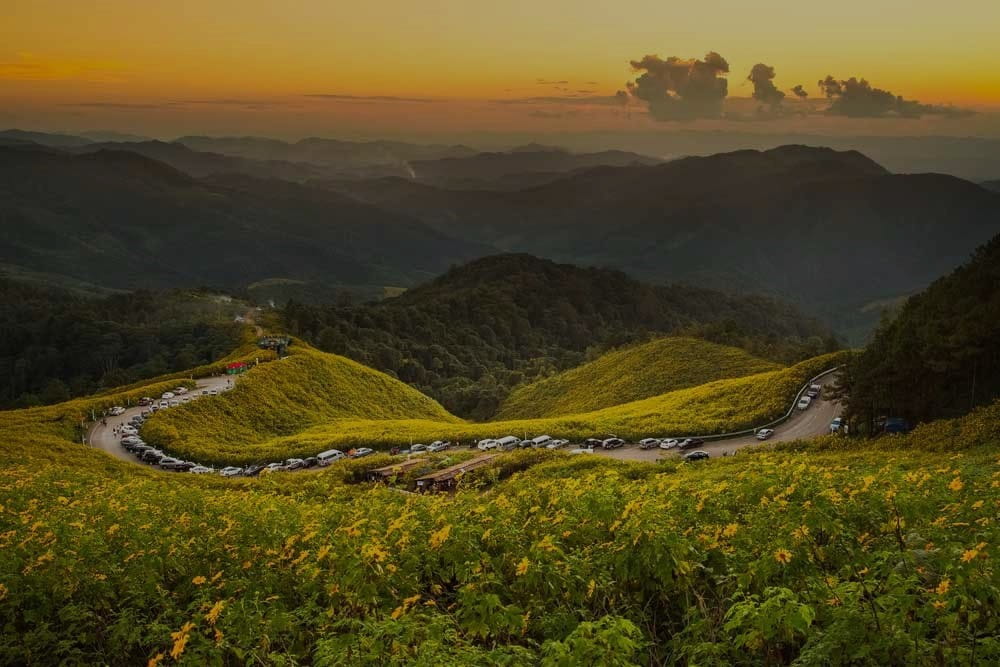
pixel 730 530
pixel 3 592
pixel 943 587
pixel 783 556
pixel 522 567
pixel 440 536
pixel 976 505
pixel 155 660
pixel 939 604
pixel 590 588
pixel 969 555
pixel 199 580
pixel 180 640
pixel 213 615
pixel 956 484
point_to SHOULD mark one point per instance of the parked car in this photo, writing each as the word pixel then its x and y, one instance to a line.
pixel 508 442
pixel 765 433
pixel 329 456
pixel 231 471
pixel 836 424
pixel 487 444
pixel 814 390
pixel 582 450
pixel 130 430
pixel 294 464
pixel 696 455
pixel 669 443
pixel 273 467
pixel 436 446
pixel 368 451
pixel 201 470
pixel 213 392
pixel 591 443
pixel 181 390
pixel 168 460
pixel 896 425
pixel 137 448
pixel 204 392
pixel 804 403
pixel 174 403
pixel 252 470
pixel 167 395
pixel 163 405
pixel 417 448
pixel 145 400
pixel 116 411
pixel 556 444
pixel 153 456
pixel 541 441
pixel 690 443
pixel 130 440
pixel 613 443
pixel 525 444
pixel 649 443
pixel 310 462
pixel 180 466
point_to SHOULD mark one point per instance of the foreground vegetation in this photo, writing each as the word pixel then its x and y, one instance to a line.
pixel 631 374
pixel 831 552
pixel 313 401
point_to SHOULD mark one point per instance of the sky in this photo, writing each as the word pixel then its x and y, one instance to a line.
pixel 336 67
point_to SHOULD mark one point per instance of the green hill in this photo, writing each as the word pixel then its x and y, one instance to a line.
pixel 303 390
pixel 836 551
pixel 631 374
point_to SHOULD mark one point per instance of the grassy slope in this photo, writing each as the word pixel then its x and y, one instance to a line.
pixel 889 558
pixel 312 402
pixel 631 374
pixel 299 392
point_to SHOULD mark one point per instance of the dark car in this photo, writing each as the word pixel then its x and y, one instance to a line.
pixel 696 456
pixel 175 465
pixel 294 464
pixel 310 462
pixel 690 443
pixel 152 456
pixel 613 443
pixel 591 443
pixel 252 470
pixel 139 448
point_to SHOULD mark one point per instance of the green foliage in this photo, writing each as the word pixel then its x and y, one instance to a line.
pixel 470 336
pixel 630 374
pixel 940 357
pixel 56 345
pixel 855 553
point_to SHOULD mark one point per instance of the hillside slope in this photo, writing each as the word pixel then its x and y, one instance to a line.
pixel 808 224
pixel 816 553
pixel 940 356
pixel 631 374
pixel 122 220
pixel 480 329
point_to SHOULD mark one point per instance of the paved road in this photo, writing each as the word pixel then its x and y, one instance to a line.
pixel 104 438
pixel 808 423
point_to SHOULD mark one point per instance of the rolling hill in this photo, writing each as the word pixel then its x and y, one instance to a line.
pixel 469 336
pixel 118 219
pixel 831 231
pixel 630 374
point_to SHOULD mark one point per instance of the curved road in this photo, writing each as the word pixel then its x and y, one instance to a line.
pixel 104 438
pixel 811 422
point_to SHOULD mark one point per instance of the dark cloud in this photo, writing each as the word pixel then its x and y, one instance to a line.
pixel 592 100
pixel 856 98
pixel 764 90
pixel 117 105
pixel 370 98
pixel 800 92
pixel 681 89
pixel 547 82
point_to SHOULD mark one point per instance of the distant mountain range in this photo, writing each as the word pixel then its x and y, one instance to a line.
pixel 832 231
pixel 119 219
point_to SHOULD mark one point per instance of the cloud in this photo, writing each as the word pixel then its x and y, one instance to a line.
pixel 591 100
pixel 544 113
pixel 547 82
pixel 371 98
pixel 28 67
pixel 856 98
pixel 118 105
pixel 681 89
pixel 800 92
pixel 764 90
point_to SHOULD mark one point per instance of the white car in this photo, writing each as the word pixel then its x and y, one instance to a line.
pixel 116 411
pixel 213 392
pixel 649 443
pixel 804 403
pixel 669 443
pixel 231 471
pixel 836 424
pixel 130 430
pixel 485 445
pixel 582 450
pixel 181 390
pixel 201 470
pixel 556 444
pixel 164 405
pixel 174 403
pixel 328 457
pixel 167 395
pixel 765 433
pixel 438 446
pixel 365 451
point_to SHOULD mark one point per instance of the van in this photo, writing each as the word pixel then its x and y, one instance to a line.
pixel 329 456
pixel 508 442
pixel 540 441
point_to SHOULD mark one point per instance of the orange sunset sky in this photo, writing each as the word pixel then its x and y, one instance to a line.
pixel 302 67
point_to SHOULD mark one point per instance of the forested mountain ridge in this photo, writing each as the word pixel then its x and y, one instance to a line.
pixel 831 231
pixel 940 355
pixel 119 219
pixel 469 336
